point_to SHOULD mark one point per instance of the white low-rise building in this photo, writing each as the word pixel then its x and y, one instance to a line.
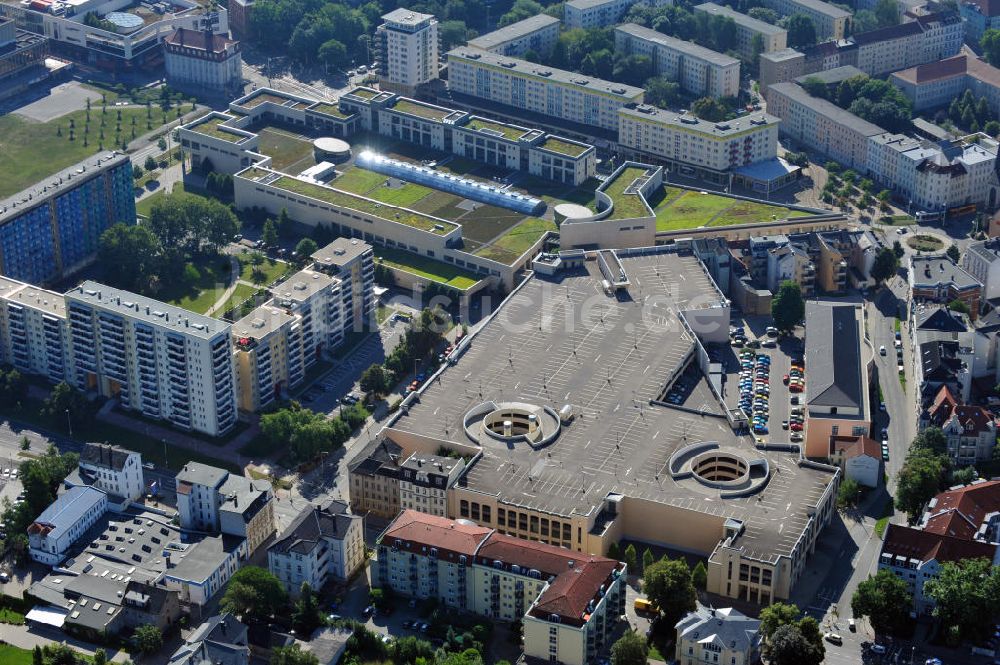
pixel 201 61
pixel 58 527
pixel 726 636
pixel 323 544
pixel 111 469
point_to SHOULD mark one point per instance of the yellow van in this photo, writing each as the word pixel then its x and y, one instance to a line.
pixel 645 605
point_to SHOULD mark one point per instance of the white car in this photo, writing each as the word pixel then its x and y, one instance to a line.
pixel 881 350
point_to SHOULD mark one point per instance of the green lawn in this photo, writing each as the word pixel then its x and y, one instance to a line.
pixel 11 617
pixel 692 210
pixel 438 271
pixel 288 152
pixel 271 268
pixel 382 313
pixel 517 241
pixel 240 294
pixel 924 243
pixel 31 151
pixel 880 526
pixel 11 655
pixel 358 180
pixel 215 277
pixel 626 206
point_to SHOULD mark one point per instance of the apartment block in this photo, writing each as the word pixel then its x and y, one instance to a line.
pixel 374 478
pixel 34 337
pixel 698 70
pixel 52 229
pixel 267 355
pixel 113 470
pixel 352 262
pixel 215 501
pixel 60 525
pixel 937 279
pixel 708 636
pixel 322 545
pixel 821 125
pixel 979 16
pixel 200 61
pixel 406 46
pixel 535 33
pixel 589 14
pixel 424 481
pixel 970 430
pixel 936 84
pixel 161 360
pixel 688 144
pixel 527 86
pixel 771 37
pixel 831 21
pixel 982 261
pixel 569 602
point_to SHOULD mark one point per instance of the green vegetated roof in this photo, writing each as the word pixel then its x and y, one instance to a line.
pixel 509 132
pixel 329 109
pixel 211 127
pixel 422 110
pixel 626 206
pixel 564 147
pixel 360 204
pixel 365 93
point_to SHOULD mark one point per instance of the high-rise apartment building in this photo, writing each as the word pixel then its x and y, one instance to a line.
pixel 52 228
pixel 33 333
pixel 158 359
pixel 407 48
pixel 352 261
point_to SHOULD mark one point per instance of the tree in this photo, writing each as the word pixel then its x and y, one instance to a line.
pixel 131 256
pixel 990 43
pixel 305 616
pixel 614 552
pixel 918 480
pixel 254 593
pixel 801 31
pixel 305 248
pixel 332 53
pixel 787 306
pixel 376 380
pixel 887 13
pixel 662 93
pixel 699 576
pixel 885 601
pixel 957 305
pixel 284 224
pixel 64 402
pixel 709 108
pixel 668 585
pixel 776 615
pixel 148 638
pixel 815 86
pixel 885 266
pixel 847 495
pixel 269 235
pixel 953 252
pixel 932 440
pixel 630 557
pixel 764 14
pixel 788 646
pixel 647 559
pixel 292 655
pixel 521 10
pixel 967 597
pixel 100 657
pixel 630 649
pixel 36 656
pixel 150 163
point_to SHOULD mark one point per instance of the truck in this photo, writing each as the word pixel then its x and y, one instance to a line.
pixel 645 605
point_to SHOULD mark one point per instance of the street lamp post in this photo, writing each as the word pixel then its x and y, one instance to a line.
pixel 69 422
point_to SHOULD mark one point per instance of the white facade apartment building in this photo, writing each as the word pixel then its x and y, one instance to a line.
pixel 982 261
pixel 699 70
pixel 926 39
pixel 161 360
pixel 687 141
pixel 35 338
pixel 830 21
pixel 313 297
pixel 535 33
pixel 601 13
pixel 198 499
pixel 199 60
pixel 525 85
pixel 111 469
pixel 424 481
pixel 772 38
pixel 323 544
pixel 59 526
pixel 407 48
pixel 710 636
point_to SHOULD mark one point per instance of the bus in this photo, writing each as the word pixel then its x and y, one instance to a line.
pixel 645 606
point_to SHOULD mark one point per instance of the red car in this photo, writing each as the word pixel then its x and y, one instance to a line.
pixel 795 388
pixel 795 427
pixel 784 379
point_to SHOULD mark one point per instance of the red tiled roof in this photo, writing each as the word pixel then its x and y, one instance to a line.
pixel 927 546
pixel 960 512
pixel 852 446
pixel 568 595
pixel 439 532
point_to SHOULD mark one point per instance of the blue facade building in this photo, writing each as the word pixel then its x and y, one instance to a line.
pixel 53 228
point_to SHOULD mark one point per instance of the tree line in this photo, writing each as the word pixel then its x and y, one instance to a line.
pixel 874 100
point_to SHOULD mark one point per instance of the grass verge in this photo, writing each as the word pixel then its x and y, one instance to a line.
pixel 12 655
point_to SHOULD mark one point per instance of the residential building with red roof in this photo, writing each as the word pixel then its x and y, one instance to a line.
pixel 971 430
pixel 859 456
pixel 916 556
pixel 569 602
pixel 970 512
